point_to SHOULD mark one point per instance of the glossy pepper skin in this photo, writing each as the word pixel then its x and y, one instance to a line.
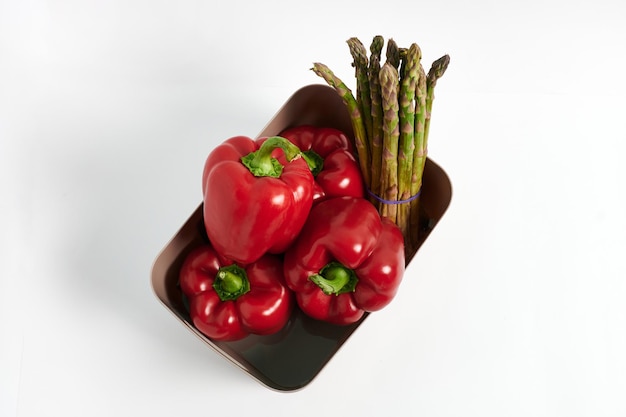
pixel 346 261
pixel 228 302
pixel 249 214
pixel 339 174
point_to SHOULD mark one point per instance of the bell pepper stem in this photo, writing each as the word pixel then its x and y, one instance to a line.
pixel 262 164
pixel 231 282
pixel 335 279
pixel 314 161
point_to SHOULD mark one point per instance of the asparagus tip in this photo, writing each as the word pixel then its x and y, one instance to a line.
pixel 438 68
pixel 358 52
pixel 377 44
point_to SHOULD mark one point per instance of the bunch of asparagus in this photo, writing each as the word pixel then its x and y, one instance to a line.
pixel 390 115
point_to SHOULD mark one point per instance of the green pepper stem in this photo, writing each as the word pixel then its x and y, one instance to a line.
pixel 262 164
pixel 335 279
pixel 231 282
pixel 314 161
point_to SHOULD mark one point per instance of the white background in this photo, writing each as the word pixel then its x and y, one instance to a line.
pixel 513 307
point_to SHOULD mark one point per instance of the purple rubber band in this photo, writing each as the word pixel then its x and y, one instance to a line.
pixel 382 200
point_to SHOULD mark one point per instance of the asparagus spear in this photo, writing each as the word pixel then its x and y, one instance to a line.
pixel 360 137
pixel 419 155
pixel 436 71
pixel 424 104
pixel 391 132
pixel 359 54
pixel 376 135
pixel 408 85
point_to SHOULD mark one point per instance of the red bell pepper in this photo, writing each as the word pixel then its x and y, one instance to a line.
pixel 346 261
pixel 331 158
pixel 228 301
pixel 253 204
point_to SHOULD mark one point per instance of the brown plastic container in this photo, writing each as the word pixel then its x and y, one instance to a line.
pixel 290 359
